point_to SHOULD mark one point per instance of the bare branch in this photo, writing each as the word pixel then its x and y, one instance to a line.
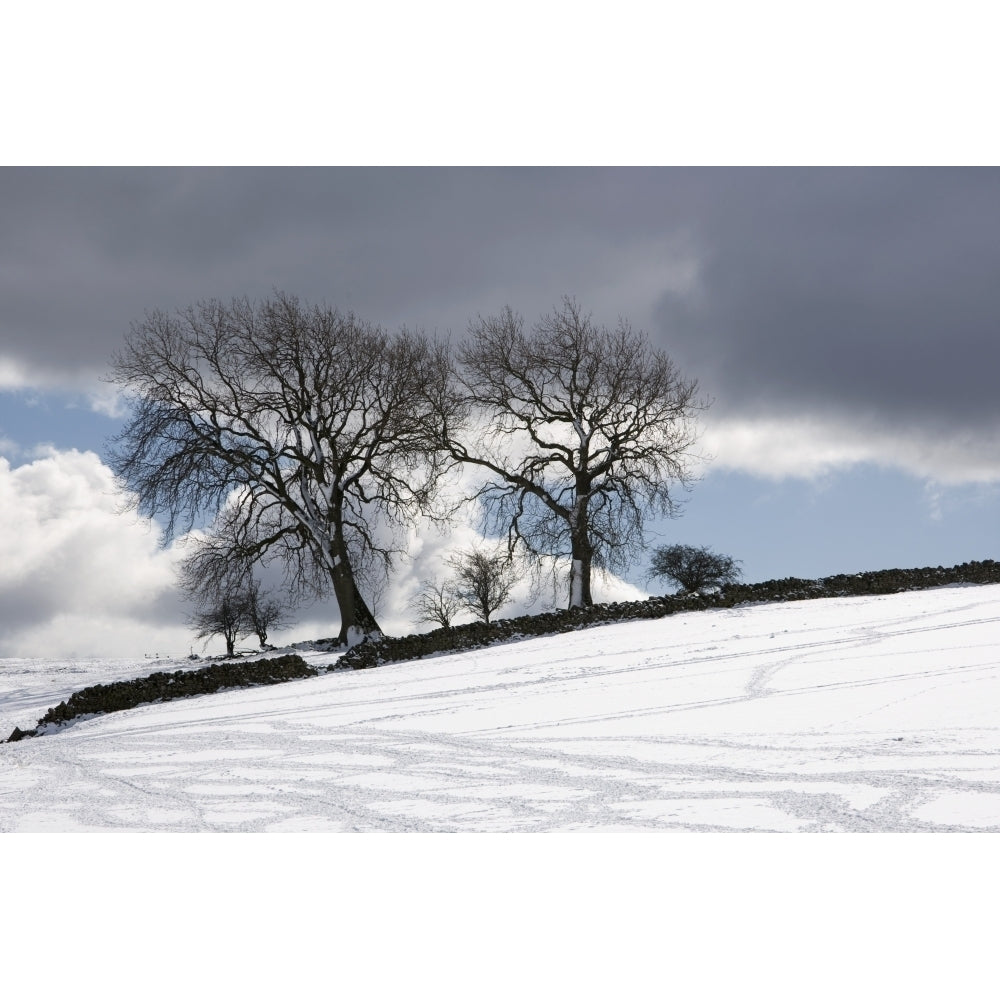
pixel 437 604
pixel 590 430
pixel 314 420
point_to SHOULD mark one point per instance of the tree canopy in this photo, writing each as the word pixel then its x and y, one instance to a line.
pixel 302 429
pixel 582 430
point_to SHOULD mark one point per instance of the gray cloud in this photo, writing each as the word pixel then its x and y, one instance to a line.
pixel 828 292
pixel 85 251
pixel 848 292
pixel 80 576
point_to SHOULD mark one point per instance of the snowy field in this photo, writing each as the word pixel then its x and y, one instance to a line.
pixel 849 714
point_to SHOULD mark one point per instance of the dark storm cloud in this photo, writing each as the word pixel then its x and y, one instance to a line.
pixel 85 251
pixel 863 292
pixel 848 291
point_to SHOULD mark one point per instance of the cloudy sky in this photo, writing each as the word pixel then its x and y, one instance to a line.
pixel 844 321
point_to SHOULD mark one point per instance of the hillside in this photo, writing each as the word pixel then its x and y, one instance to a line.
pixel 856 713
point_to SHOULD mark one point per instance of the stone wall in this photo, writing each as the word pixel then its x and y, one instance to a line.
pixel 120 695
pixel 477 634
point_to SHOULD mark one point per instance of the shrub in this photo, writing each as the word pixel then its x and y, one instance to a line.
pixel 694 570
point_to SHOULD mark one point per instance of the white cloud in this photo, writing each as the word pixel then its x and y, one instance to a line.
pixel 79 576
pixel 812 447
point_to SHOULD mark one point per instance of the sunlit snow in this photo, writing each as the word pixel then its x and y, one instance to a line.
pixel 848 714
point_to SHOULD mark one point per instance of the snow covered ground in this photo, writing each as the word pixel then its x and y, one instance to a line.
pixel 849 714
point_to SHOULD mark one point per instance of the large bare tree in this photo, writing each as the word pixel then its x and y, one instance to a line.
pixel 582 430
pixel 300 429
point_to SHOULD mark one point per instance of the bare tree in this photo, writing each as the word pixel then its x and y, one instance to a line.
pixel 224 590
pixel 584 430
pixel 265 611
pixel 224 616
pixel 300 427
pixel 482 582
pixel 694 569
pixel 437 604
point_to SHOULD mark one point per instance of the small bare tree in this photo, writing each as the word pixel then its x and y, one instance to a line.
pixel 229 601
pixel 482 582
pixel 265 611
pixel 582 430
pixel 437 604
pixel 301 427
pixel 224 616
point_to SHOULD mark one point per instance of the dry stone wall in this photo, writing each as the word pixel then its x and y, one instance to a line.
pixel 477 634
pixel 162 686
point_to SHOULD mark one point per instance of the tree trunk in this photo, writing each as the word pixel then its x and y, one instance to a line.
pixel 582 553
pixel 579 577
pixel 356 618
